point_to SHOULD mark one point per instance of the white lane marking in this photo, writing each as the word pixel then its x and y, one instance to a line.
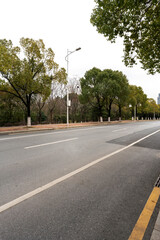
pixel 119 130
pixel 50 143
pixel 43 134
pixel 63 178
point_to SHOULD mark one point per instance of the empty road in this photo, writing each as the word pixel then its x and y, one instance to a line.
pixel 78 184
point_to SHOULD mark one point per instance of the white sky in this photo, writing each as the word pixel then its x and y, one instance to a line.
pixel 65 24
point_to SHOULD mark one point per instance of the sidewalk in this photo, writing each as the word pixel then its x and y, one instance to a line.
pixel 41 127
pixel 156 230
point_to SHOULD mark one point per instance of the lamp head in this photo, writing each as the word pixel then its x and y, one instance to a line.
pixel 77 49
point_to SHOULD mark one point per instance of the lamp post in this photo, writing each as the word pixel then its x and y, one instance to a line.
pixel 134 109
pixel 68 101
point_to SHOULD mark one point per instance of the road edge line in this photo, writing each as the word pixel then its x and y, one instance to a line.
pixel 144 218
pixel 61 179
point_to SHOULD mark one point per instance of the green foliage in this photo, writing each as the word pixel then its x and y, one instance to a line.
pixel 25 78
pixel 101 88
pixel 93 90
pixel 151 108
pixel 11 111
pixel 137 100
pixel 138 22
pixel 137 96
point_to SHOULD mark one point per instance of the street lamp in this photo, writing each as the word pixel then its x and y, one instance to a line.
pixel 134 107
pixel 68 101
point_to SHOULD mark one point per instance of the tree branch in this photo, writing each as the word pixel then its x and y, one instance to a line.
pixel 6 91
pixel 18 94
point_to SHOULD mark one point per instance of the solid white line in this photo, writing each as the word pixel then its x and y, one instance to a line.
pixel 119 130
pixel 58 132
pixel 63 178
pixel 50 143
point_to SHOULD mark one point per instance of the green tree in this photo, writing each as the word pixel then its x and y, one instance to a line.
pixel 93 90
pixel 11 110
pixel 29 76
pixel 110 87
pixel 151 108
pixel 102 88
pixel 115 89
pixel 137 100
pixel 122 94
pixel 138 22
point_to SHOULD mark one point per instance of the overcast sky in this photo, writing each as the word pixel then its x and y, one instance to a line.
pixel 65 24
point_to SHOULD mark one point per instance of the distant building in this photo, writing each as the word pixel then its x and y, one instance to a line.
pixel 158 99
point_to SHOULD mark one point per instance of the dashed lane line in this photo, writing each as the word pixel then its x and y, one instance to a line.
pixel 69 175
pixel 121 129
pixel 51 143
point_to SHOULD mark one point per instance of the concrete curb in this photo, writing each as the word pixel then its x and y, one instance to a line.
pixel 54 127
pixel 156 230
pixel 23 129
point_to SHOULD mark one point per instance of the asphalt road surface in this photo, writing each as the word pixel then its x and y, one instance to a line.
pixel 79 184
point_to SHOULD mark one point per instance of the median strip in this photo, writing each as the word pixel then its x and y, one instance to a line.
pixel 51 143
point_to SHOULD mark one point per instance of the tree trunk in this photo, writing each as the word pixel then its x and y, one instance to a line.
pixel 109 110
pixel 109 105
pixel 28 112
pixel 51 116
pixel 136 111
pixel 120 113
pixel 99 110
pixel 40 116
pixel 101 119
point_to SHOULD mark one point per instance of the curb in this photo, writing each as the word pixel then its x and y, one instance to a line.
pixel 156 231
pixel 56 127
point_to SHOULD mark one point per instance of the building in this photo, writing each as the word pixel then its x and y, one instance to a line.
pixel 158 99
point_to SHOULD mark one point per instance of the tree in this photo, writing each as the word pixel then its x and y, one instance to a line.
pixel 74 91
pixel 137 99
pixel 115 89
pixel 102 88
pixel 11 110
pixel 93 90
pixel 39 105
pixel 122 93
pixel 58 91
pixel 110 88
pixel 51 106
pixel 25 78
pixel 138 23
pixel 151 108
